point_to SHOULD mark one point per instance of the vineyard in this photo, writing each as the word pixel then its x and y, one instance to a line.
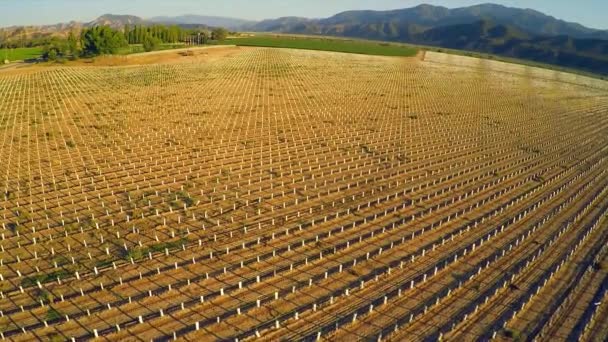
pixel 280 194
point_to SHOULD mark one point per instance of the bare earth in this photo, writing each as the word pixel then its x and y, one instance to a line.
pixel 274 194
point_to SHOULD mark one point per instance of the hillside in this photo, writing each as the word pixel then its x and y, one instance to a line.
pixel 116 21
pixel 486 36
pixel 212 21
pixel 510 32
pixel 383 23
pixel 36 34
pixel 20 33
pixel 488 28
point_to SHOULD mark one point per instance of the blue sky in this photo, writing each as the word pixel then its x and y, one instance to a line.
pixel 590 13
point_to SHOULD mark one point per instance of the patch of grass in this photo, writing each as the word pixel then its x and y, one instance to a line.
pixel 13 227
pixel 365 149
pixel 160 247
pixel 174 204
pixel 42 295
pixel 103 263
pixel 55 337
pixel 189 201
pixel 20 54
pixel 135 254
pixel 52 314
pixel 44 278
pixel 538 179
pixel 138 253
pixel 326 44
pixel 9 195
pixel 61 260
pixel 513 334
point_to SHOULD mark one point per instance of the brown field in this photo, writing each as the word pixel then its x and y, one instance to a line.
pixel 273 194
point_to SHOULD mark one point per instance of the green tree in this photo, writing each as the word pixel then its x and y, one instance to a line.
pixel 134 34
pixel 126 32
pixel 151 43
pixel 219 33
pixel 55 49
pixel 52 55
pixel 138 35
pixel 172 34
pixel 23 37
pixel 72 45
pixel 102 40
pixel 141 35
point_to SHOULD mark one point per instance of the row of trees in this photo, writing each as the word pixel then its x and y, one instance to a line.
pixel 138 33
pixel 102 40
pixel 152 36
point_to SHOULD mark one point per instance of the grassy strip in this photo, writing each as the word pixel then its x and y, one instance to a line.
pixel 139 253
pixel 20 54
pixel 44 278
pixel 325 44
pixel 139 48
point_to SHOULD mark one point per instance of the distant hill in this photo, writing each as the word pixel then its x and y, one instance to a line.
pixel 116 21
pixel 39 33
pixel 285 24
pixel 485 36
pixel 387 24
pixel 229 23
pixel 487 28
pixel 20 33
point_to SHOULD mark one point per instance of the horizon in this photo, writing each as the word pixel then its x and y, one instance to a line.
pixel 19 12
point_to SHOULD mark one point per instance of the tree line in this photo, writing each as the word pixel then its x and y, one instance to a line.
pixel 138 33
pixel 104 40
pixel 152 36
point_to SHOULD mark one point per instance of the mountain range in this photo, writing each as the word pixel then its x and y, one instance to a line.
pixel 190 19
pixel 487 28
pixel 389 24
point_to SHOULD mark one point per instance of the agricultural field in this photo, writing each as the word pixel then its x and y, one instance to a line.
pixel 281 194
pixel 20 54
pixel 139 48
pixel 325 44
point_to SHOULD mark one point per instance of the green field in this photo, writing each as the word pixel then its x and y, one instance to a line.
pixel 20 53
pixel 325 44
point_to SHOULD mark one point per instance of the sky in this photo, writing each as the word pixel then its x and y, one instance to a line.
pixel 591 13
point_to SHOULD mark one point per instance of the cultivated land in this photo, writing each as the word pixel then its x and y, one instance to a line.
pixel 290 194
pixel 325 44
pixel 20 54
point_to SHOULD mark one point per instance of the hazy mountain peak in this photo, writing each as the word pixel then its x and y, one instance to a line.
pixel 428 16
pixel 116 20
pixel 214 21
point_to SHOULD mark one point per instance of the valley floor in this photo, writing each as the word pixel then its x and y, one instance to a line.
pixel 245 193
